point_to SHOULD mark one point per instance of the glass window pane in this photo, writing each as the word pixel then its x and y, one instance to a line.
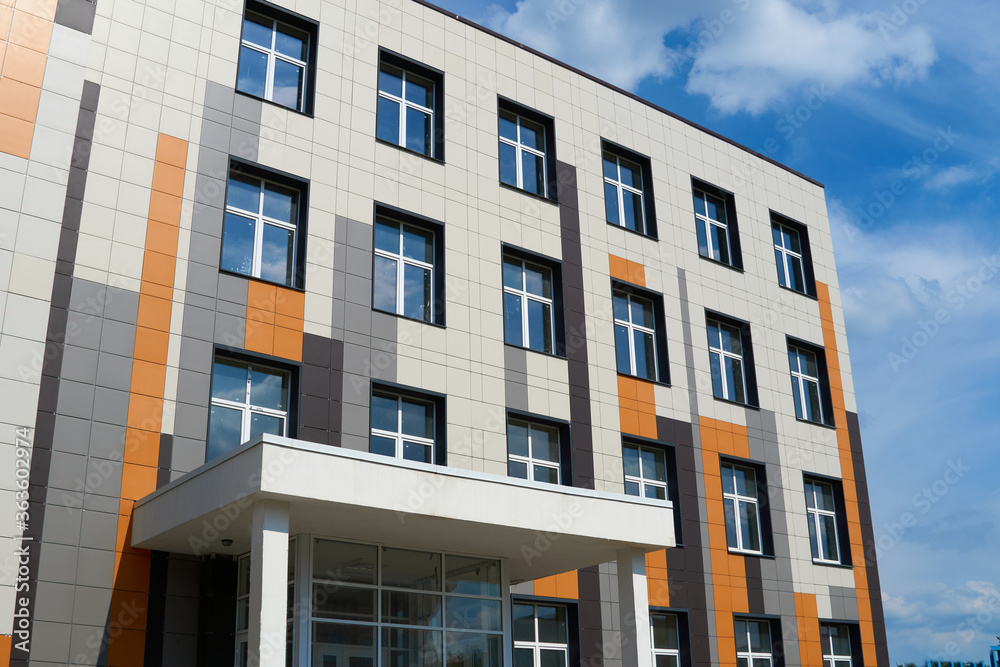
pixel 237 244
pixel 641 311
pixel 720 244
pixel 551 624
pixel 402 568
pixel 776 235
pixel 702 238
pixel 243 192
pixel 471 649
pixel 533 173
pixel 630 458
pixel 343 561
pixel 829 544
pixel 340 644
pixel 287 87
pixel 517 469
pixel 666 661
pixel 411 608
pixel 716 208
pixel 742 662
pixel 552 658
pixel 622 350
pixel 631 488
pixel 746 481
pixel 229 380
pixel 418 244
pixel 741 636
pixel 268 389
pixel 512 273
pixel 517 438
pixel 411 648
pixel 653 466
pixel 384 413
pixel 734 377
pixel 645 358
pixel 727 479
pixel 813 537
pixel 538 280
pixel 545 444
pixel 546 474
pixel 382 446
pixel 472 614
pixel 225 427
pixel 508 164
pixel 418 131
pixel 750 531
pixel 539 326
pixel 761 662
pixel 824 496
pixel 809 365
pixel 760 636
pixel 797 397
pixel 633 211
pixel 717 386
pixel 251 77
pixel 278 248
pixel 260 424
pixel 384 286
pixel 611 203
pixel 343 602
pixel 257 30
pixel 291 42
pixel 665 631
pixel 508 126
pixel 524 623
pixel 731 538
pixel 387 122
pixel 781 268
pixel 390 80
pixel 655 492
pixel 730 337
pixel 630 174
pixel 792 240
pixel 417 451
pixel 812 402
pixel 418 418
pixel 810 501
pixel 512 323
pixel 610 167
pixel 387 236
pixel 416 292
pixel 620 305
pixel 795 273
pixel 841 638
pixel 419 90
pixel 524 657
pixel 280 203
pixel 468 575
pixel 532 135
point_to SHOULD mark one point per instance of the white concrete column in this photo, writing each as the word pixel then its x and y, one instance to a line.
pixel 268 584
pixel 633 599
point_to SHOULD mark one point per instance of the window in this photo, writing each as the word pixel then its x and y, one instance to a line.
pixel 403 426
pixel 378 605
pixel 404 281
pixel 628 200
pixel 261 236
pixel 805 384
pixel 635 335
pixel 645 471
pixel 527 149
pixel 243 611
pixel 726 354
pixel 753 643
pixel 739 496
pixel 792 255
pixel 541 635
pixel 821 509
pixel 248 400
pixel 836 641
pixel 408 96
pixel 277 62
pixel 715 217
pixel 529 292
pixel 533 451
pixel 666 639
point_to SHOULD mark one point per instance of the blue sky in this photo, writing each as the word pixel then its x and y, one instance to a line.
pixel 894 106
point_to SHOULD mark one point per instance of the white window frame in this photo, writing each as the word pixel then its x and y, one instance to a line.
pixel 248 409
pixel 527 296
pixel 734 499
pixel 621 188
pixel 675 652
pixel 707 222
pixel 814 513
pixel 519 147
pixel 259 220
pixel 632 328
pixel 530 460
pixel 831 659
pixel 398 436
pixel 788 252
pixel 403 103
pixel 400 260
pixel 802 379
pixel 749 655
pixel 537 646
pixel 273 54
pixel 715 347
pixel 644 481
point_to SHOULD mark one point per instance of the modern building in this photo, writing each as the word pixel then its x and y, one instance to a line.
pixel 352 334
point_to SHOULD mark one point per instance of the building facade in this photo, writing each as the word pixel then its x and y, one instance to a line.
pixel 352 334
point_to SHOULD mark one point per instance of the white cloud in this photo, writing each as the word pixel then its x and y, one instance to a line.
pixel 953 176
pixel 745 55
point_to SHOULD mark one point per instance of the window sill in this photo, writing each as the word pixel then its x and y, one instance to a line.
pixel 719 263
pixel 554 355
pixel 410 151
pixel 742 405
pixel 651 237
pixel 264 281
pixel 758 554
pixel 830 563
pixel 408 319
pixel 832 427
pixel 799 292
pixel 550 200
pixel 300 112
pixel 642 379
